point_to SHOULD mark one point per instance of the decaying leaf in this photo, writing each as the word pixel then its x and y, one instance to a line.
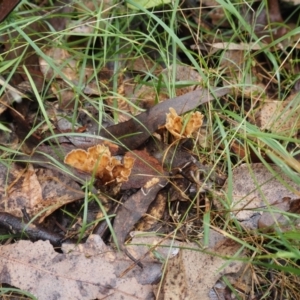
pixel 154 214
pixel 135 207
pixel 144 64
pixel 280 116
pixel 217 13
pixel 10 95
pixel 233 62
pixel 63 60
pixel 101 6
pixel 142 96
pixel 89 271
pixel 149 121
pixel 181 127
pixel 39 191
pixel 270 24
pixel 232 46
pixel 192 274
pixel 276 218
pixel 145 96
pixel 153 244
pixel 145 167
pixel 187 78
pixel 257 189
pixel 68 69
pixel 99 161
pixel 66 95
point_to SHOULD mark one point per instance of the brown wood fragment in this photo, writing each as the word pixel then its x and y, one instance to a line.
pixel 34 232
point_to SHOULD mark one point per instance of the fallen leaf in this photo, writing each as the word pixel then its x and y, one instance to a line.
pixel 255 187
pixel 187 79
pixel 193 273
pixel 132 133
pixel 280 116
pixel 135 207
pixel 38 191
pixel 63 60
pixel 89 271
pixel 143 64
pixel 269 25
pixel 142 96
pixel 145 167
pixel 147 246
pixel 154 213
pixel 7 8
pixel 233 63
pixel 66 68
pixel 276 219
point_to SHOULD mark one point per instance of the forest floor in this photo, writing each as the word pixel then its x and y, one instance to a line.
pixel 149 149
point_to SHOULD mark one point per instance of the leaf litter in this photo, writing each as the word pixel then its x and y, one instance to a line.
pixel 38 191
pixel 256 189
pixel 88 271
pixel 143 174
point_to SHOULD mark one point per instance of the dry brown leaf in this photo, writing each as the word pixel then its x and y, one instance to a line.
pixel 280 116
pixel 98 160
pixel 143 97
pixel 275 217
pixel 192 274
pixel 254 187
pixel 181 127
pixel 233 63
pixel 103 6
pixel 184 74
pixel 269 25
pixel 39 191
pixel 63 60
pixel 143 64
pixel 162 249
pixel 233 46
pixel 154 214
pixel 89 271
pixel 135 207
pixel 145 167
pixel 10 95
pixel 68 69
pixel 65 92
pixel 217 13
